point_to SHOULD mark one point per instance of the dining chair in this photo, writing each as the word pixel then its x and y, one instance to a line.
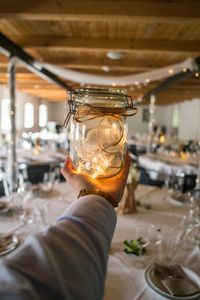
pixel 35 173
pixel 145 178
pixel 189 182
pixel 4 186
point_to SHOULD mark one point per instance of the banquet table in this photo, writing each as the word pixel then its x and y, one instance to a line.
pixel 155 211
pixel 160 165
pixel 34 156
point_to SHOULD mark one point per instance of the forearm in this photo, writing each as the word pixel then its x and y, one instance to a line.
pixel 67 260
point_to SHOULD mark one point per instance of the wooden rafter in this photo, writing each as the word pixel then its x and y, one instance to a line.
pixel 100 10
pixel 97 44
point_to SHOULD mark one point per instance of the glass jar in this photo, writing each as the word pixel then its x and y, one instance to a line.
pixel 98 131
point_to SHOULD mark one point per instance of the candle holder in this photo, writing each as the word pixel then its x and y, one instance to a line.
pixel 127 204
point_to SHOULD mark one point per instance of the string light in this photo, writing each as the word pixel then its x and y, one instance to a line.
pixel 184 70
pixel 197 74
pixel 136 82
pixel 147 80
pixel 170 71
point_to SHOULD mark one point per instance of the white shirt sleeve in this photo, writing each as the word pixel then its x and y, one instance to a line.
pixel 66 261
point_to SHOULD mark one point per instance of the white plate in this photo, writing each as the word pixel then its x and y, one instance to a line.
pixel 157 286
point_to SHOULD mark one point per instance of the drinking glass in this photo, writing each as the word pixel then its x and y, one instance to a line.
pixel 153 245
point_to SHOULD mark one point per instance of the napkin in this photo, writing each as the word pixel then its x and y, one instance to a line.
pixel 175 280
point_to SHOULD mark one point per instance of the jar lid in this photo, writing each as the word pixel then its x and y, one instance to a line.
pixel 106 101
pixel 111 97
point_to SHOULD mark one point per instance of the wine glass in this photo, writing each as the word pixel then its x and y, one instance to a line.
pixel 151 247
pixel 191 223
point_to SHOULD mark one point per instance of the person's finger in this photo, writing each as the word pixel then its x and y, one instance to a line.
pixel 67 169
pixel 126 167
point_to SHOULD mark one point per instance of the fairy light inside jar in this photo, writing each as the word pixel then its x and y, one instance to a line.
pixel 98 136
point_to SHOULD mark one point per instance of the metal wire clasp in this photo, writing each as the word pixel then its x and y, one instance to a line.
pixel 129 102
pixel 130 107
pixel 72 111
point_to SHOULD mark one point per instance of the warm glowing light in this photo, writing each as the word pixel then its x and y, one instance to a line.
pixel 100 149
pixel 99 168
pixel 184 70
pixel 95 160
pixel 136 82
pixel 78 170
pixel 197 74
pixel 171 71
pixel 183 155
pixel 162 139
pixel 147 80
pixel 88 165
pixel 106 163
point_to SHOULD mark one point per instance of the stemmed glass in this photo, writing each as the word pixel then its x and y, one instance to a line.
pixel 191 222
pixel 153 246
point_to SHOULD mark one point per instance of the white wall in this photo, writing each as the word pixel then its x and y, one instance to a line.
pixel 189 127
pixel 189 118
pixel 57 111
pixel 189 124
pixel 135 123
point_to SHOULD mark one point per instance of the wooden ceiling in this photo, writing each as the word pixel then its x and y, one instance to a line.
pixel 78 35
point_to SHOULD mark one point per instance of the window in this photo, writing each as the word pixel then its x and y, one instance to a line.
pixel 42 115
pixel 28 115
pixel 5 114
pixel 175 118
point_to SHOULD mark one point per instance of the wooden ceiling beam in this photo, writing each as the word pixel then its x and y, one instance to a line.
pixel 169 101
pixel 96 44
pixel 100 10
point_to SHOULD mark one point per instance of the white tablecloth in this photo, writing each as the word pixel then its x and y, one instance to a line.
pixel 159 166
pixel 124 281
pixel 34 157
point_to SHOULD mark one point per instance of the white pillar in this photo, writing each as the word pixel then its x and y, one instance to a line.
pixel 12 167
pixel 152 122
